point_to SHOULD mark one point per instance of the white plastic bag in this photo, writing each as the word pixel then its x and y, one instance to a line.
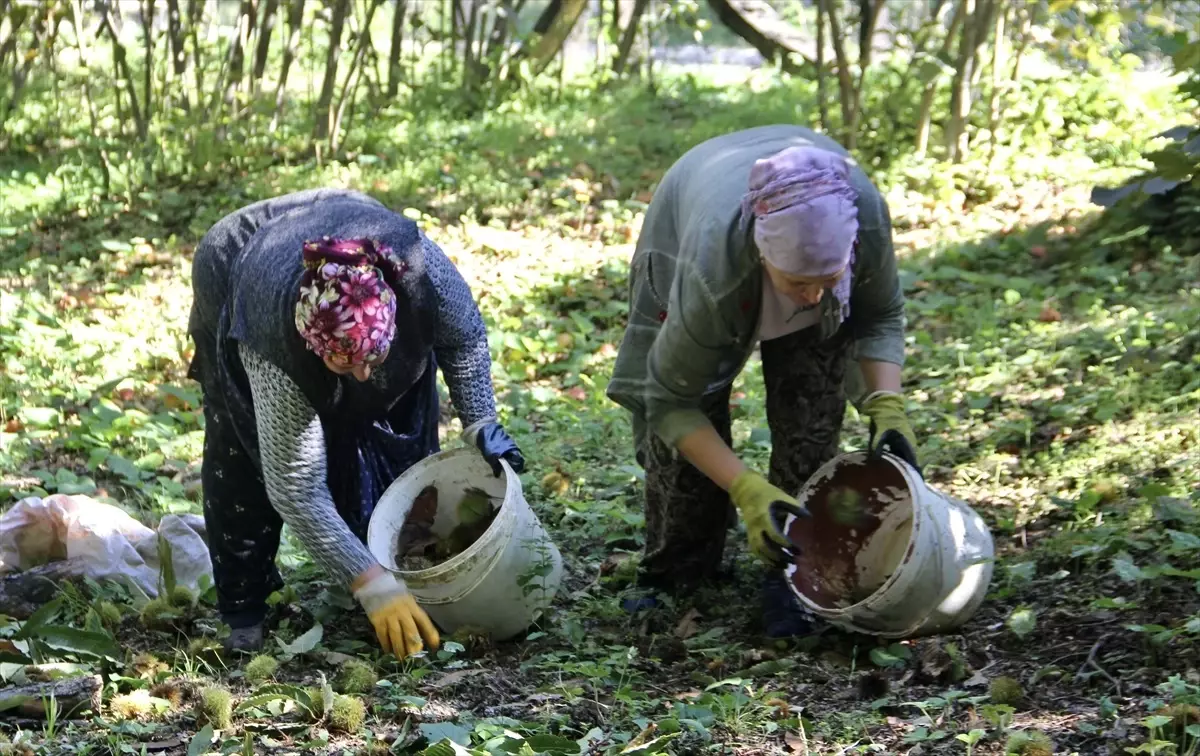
pixel 105 541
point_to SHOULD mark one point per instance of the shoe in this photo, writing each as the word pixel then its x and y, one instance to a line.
pixel 783 614
pixel 245 639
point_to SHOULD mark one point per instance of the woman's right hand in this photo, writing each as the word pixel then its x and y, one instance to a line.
pixel 762 506
pixel 402 626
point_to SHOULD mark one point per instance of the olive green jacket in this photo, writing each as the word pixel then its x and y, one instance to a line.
pixel 695 285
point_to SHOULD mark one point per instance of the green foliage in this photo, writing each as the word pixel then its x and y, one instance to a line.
pixel 261 668
pixel 215 707
pixel 356 678
pixel 1029 743
pixel 347 714
pixel 1006 691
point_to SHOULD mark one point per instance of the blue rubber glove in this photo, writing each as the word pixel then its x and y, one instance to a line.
pixel 496 444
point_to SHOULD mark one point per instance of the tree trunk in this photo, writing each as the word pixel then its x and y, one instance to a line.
pixel 397 46
pixel 266 30
pixel 337 24
pixel 352 78
pixel 845 81
pixel 629 36
pixel 957 135
pixel 121 70
pixel 195 15
pixel 998 65
pixel 757 22
pixel 237 51
pixel 1026 16
pixel 295 22
pixel 822 95
pixel 869 12
pixel 552 41
pixel 925 115
pixel 72 697
pixel 89 102
pixel 147 13
pixel 177 52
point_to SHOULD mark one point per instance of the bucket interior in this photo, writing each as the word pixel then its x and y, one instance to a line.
pixel 859 533
pixel 431 531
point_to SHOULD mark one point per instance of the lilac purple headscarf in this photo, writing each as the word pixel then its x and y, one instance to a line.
pixel 805 217
pixel 347 309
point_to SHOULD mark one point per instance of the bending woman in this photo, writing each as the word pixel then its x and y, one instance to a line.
pixel 769 237
pixel 320 319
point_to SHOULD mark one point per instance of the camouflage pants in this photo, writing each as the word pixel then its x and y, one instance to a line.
pixel 687 515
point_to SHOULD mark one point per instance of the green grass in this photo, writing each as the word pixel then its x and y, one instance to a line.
pixel 1053 380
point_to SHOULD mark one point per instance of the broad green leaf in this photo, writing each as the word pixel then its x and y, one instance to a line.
pixel 305 643
pixel 882 658
pixel 40 417
pixel 261 700
pixel 1157 722
pixel 1126 569
pixel 1022 621
pixel 43 615
pixel 76 641
pixel 201 742
pixel 1184 540
pixel 438 731
pixel 553 745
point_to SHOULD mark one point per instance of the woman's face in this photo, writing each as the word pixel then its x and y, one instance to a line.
pixel 805 291
pixel 361 372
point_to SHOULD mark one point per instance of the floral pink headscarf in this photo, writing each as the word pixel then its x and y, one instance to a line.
pixel 347 309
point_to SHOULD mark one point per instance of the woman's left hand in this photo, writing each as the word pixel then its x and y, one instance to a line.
pixel 496 444
pixel 890 428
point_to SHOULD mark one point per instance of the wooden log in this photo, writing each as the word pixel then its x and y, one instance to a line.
pixel 71 697
pixel 22 593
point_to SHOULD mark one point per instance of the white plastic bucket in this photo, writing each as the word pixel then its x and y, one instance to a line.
pixel 501 582
pixel 883 553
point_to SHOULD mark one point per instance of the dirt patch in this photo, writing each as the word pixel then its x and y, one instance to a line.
pixel 418 547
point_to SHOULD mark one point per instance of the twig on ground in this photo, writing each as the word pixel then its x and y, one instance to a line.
pixel 1091 662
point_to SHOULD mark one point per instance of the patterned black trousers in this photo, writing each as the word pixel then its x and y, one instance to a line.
pixel 687 515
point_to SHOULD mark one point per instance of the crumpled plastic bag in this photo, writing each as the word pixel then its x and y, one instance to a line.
pixel 104 541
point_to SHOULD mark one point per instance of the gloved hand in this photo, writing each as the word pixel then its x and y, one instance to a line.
pixel 890 428
pixel 400 624
pixel 763 507
pixel 496 444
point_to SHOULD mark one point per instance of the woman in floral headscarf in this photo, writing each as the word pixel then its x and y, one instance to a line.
pixel 320 319
pixel 773 238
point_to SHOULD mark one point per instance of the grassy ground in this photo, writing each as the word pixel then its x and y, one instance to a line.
pixel 1054 383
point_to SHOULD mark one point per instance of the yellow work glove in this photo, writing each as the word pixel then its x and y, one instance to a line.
pixel 400 624
pixel 763 507
pixel 890 428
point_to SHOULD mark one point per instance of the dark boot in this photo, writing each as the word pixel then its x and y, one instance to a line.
pixel 245 639
pixel 783 614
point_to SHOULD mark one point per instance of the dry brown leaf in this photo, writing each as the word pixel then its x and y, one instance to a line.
pixel 1050 315
pixel 688 626
pixel 163 745
pixel 688 695
pixel 796 742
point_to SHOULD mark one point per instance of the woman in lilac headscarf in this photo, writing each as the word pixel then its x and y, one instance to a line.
pixel 320 319
pixel 770 237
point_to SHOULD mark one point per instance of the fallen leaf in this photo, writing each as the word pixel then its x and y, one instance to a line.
pixel 796 742
pixel 688 626
pixel 688 695
pixel 1050 315
pixel 977 681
